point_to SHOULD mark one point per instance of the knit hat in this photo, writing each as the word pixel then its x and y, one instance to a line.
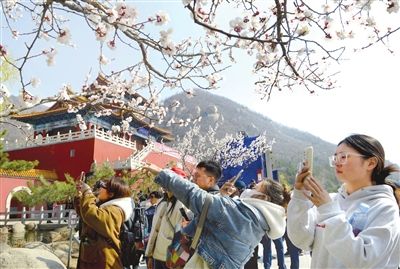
pixel 179 171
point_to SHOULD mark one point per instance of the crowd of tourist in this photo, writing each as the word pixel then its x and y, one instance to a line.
pixel 357 227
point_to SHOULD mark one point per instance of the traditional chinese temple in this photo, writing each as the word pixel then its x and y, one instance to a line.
pixel 63 147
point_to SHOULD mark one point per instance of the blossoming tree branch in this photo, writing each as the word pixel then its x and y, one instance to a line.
pixel 294 45
pixel 228 151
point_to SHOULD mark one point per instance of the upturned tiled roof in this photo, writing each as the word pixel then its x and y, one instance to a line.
pixel 61 107
pixel 32 173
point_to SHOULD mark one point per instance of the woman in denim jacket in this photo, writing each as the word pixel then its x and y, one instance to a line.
pixel 233 227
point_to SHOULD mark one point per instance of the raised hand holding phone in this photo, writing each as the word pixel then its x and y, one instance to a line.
pixel 81 185
pixel 229 186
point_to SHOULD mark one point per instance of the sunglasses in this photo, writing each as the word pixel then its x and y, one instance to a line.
pixel 100 184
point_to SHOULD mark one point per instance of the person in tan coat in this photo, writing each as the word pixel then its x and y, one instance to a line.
pixel 102 218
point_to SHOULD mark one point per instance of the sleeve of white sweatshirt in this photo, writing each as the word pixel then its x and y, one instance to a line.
pixel 372 247
pixel 301 221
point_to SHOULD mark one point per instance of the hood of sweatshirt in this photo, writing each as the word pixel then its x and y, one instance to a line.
pixel 126 204
pixel 274 216
pixel 367 195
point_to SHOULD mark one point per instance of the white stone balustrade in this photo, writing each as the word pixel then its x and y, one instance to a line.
pixel 135 160
pixel 68 137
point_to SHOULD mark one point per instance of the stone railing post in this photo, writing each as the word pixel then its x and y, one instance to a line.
pixel 23 219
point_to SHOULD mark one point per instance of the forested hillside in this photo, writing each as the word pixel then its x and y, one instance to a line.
pixel 232 117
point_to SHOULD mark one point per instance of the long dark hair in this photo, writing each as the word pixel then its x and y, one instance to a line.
pixel 172 200
pixel 370 147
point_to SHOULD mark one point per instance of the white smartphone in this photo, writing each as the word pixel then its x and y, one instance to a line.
pixel 82 177
pixel 235 178
pixel 308 157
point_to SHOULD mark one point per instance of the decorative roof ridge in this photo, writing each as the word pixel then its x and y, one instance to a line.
pixel 39 113
pixel 61 106
pixel 31 173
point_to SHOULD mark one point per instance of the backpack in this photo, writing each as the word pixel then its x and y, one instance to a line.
pixel 132 236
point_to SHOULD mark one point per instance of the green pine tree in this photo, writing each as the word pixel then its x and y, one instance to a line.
pixel 17 165
pixel 46 191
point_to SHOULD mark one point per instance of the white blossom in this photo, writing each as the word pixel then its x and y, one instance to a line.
pixel 326 8
pixel 4 92
pixel 370 21
pixel 81 122
pixel 302 31
pixel 50 56
pixel 10 4
pixel 64 36
pixel 82 126
pixel 166 42
pixel 35 82
pixel 126 14
pixel 101 31
pixel 44 35
pixel 72 109
pixel 341 35
pixel 186 2
pixel 79 117
pixel 111 44
pixel 161 18
pixel 103 59
pixel 116 128
pixel 112 15
pixel 392 6
pixel 125 126
pixel 213 79
pixel 169 48
pixel 237 24
pixel 228 151
pixel 64 93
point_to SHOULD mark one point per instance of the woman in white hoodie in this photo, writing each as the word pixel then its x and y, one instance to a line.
pixel 359 227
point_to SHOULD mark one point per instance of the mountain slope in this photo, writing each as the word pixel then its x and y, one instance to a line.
pixel 16 129
pixel 233 117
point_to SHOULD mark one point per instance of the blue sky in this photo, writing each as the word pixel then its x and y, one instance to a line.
pixel 366 101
